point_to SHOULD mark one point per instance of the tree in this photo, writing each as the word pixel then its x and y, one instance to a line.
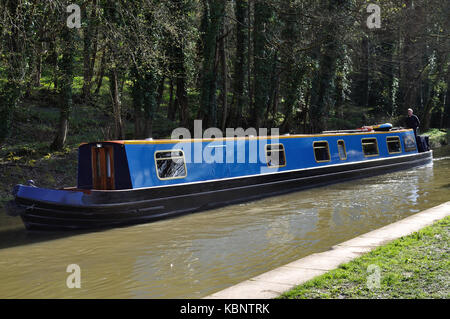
pixel 14 61
pixel 322 87
pixel 213 16
pixel 240 63
pixel 65 84
pixel 113 36
pixel 90 44
pixel 262 60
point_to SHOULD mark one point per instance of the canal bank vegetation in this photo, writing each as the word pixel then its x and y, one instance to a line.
pixel 414 266
pixel 28 154
pixel 438 137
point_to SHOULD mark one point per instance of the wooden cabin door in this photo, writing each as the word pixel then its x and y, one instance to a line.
pixel 103 167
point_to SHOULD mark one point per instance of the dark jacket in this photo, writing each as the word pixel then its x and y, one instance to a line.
pixel 412 122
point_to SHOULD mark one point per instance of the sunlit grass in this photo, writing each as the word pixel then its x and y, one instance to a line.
pixel 415 266
pixel 437 137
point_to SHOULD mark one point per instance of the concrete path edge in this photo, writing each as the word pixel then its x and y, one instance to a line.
pixel 277 281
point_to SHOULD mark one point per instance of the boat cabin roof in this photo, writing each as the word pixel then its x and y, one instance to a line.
pixel 284 136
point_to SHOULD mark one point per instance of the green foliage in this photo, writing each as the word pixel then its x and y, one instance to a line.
pixel 299 65
pixel 438 137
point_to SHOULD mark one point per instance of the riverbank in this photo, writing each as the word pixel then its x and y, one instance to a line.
pixel 415 266
pixel 334 273
pixel 438 137
pixel 54 170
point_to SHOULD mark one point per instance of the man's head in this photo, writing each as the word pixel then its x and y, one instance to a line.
pixel 410 112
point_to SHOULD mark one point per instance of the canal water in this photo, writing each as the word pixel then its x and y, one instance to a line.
pixel 198 254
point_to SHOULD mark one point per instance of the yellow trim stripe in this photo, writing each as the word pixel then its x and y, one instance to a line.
pixel 193 140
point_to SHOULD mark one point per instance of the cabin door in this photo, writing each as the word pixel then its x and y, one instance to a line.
pixel 103 167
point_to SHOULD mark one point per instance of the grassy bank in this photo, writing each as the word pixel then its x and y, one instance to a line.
pixel 415 266
pixel 438 137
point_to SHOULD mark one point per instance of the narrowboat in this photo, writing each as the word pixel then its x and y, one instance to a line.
pixel 137 181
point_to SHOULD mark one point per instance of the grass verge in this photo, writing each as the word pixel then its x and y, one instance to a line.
pixel 414 266
pixel 438 137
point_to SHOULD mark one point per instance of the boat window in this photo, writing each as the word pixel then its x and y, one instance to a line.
pixel 108 163
pixel 409 142
pixel 341 150
pixel 393 144
pixel 321 151
pixel 170 164
pixel 275 155
pixel 98 163
pixel 370 147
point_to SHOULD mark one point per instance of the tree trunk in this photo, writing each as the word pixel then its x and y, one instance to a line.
pixel 249 54
pixel 322 85
pixel 182 100
pixel 293 73
pixel 241 11
pixel 87 48
pixel 67 72
pixel 150 91
pixel 38 70
pixel 262 61
pixel 161 88
pixel 446 120
pixel 272 90
pixel 208 87
pixel 116 103
pixel 54 62
pixel 171 110
pixel 101 73
pixel 224 70
pixel 411 57
pixel 427 115
pixel 137 98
